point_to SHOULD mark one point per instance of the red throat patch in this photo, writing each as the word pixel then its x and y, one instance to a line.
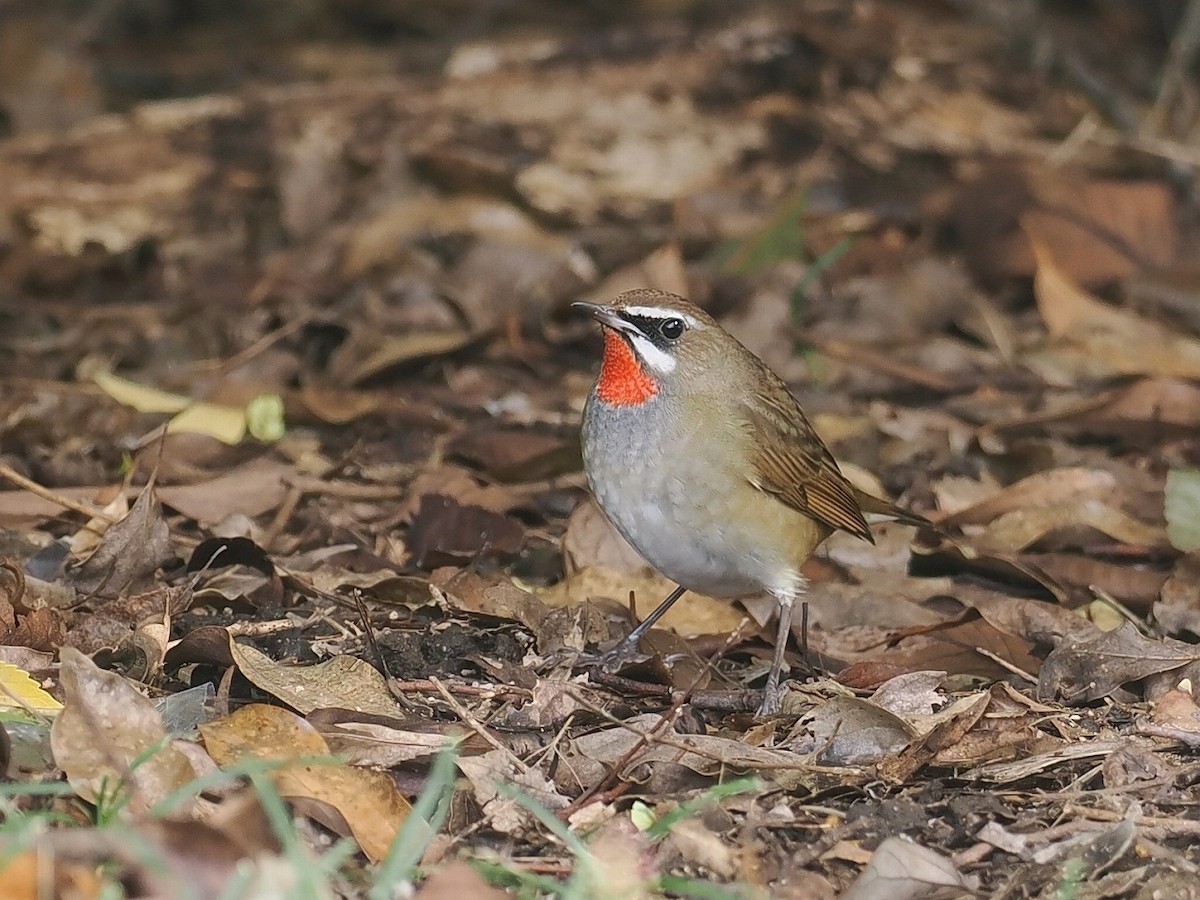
pixel 623 381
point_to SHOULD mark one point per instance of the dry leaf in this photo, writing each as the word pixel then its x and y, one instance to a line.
pixel 130 550
pixel 1078 673
pixel 345 682
pixel 109 734
pixel 1119 340
pixel 694 613
pixel 351 801
pixel 457 881
pixel 250 490
pixel 18 690
pixel 900 870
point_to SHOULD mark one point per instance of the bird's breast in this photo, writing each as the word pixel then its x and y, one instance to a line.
pixel 676 489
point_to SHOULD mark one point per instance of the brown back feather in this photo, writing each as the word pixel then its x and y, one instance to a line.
pixel 793 463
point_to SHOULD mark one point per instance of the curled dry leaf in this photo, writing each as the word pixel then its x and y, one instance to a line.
pixel 1101 229
pixel 383 746
pixel 129 551
pixel 1025 766
pixel 469 591
pixel 1142 413
pixel 1020 529
pixel 702 753
pixel 109 734
pixel 911 695
pixel 1009 729
pixel 351 801
pixel 939 732
pixel 38 629
pixel 849 731
pixel 1050 488
pixel 551 704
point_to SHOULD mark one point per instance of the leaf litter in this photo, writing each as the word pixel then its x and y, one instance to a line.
pixel 374 549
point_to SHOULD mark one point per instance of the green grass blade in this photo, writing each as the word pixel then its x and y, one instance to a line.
pixel 710 797
pixel 410 844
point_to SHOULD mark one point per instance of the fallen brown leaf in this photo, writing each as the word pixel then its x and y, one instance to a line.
pixel 351 801
pixel 343 681
pixel 109 734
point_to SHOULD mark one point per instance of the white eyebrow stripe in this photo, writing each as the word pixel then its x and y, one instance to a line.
pixel 658 360
pixel 660 312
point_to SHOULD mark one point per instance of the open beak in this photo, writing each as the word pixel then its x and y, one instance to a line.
pixel 605 315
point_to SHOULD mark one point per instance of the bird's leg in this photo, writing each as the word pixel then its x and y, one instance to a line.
pixel 772 701
pixel 628 648
pixel 635 637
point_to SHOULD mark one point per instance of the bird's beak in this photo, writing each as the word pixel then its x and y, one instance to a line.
pixel 605 315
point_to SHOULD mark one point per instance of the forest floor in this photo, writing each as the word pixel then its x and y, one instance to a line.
pixel 300 569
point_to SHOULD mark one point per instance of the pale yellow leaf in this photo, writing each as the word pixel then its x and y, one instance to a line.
pixel 225 423
pixel 143 398
pixel 18 690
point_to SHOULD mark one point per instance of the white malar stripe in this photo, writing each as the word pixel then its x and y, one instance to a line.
pixel 661 312
pixel 658 360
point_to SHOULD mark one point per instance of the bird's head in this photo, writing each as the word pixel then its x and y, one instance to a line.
pixel 652 340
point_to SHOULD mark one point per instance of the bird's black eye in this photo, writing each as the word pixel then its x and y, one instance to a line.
pixel 671 329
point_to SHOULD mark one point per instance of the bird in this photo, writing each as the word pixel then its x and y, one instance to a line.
pixel 701 457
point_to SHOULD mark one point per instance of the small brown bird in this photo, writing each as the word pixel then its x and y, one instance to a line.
pixel 702 458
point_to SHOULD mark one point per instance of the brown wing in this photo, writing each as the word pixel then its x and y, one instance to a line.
pixel 793 464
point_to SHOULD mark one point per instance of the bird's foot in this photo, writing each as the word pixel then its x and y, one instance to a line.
pixel 625 653
pixel 772 699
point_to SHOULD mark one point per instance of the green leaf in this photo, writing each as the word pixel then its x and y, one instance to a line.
pixel 1183 508
pixel 642 816
pixel 264 418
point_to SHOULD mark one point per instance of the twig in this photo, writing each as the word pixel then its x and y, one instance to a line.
pixel 1004 663
pixel 478 727
pixel 1169 824
pixel 10 474
pixel 1184 46
pixel 283 515
pixel 224 366
pixel 467 690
